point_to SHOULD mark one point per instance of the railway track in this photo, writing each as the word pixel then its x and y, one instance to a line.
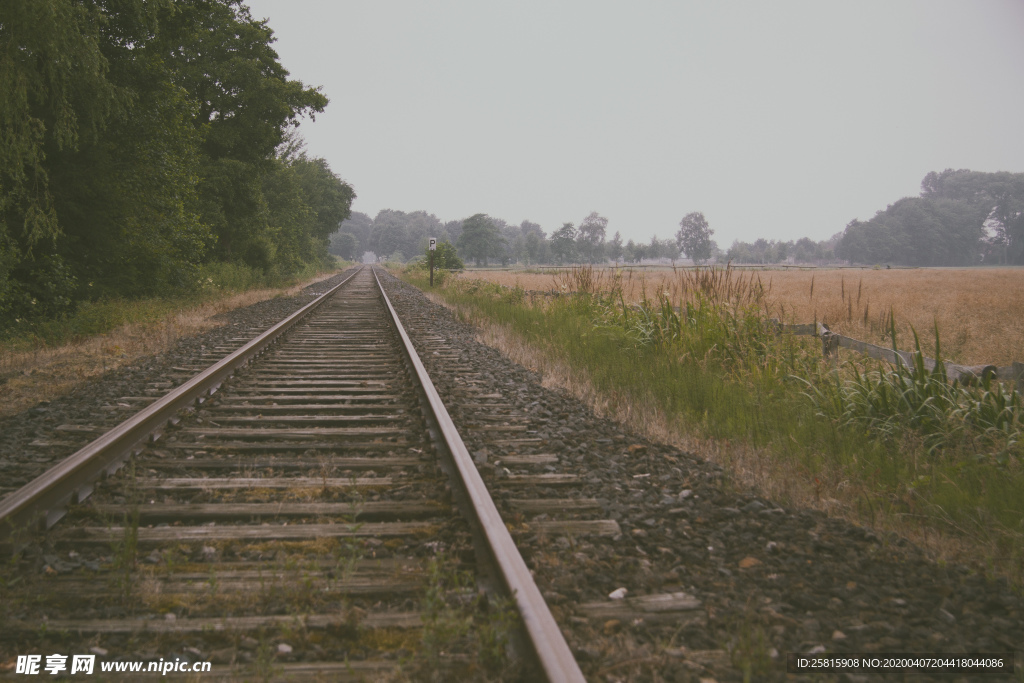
pixel 317 516
pixel 272 533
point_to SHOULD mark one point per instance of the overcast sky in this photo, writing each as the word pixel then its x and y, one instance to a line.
pixel 777 120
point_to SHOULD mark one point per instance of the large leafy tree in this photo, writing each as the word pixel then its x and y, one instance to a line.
pixel 563 243
pixel 694 237
pixel 344 244
pixel 306 203
pixel 397 231
pixel 127 195
pixel 127 200
pixel 998 196
pixel 359 225
pixel 138 135
pixel 480 239
pixel 917 231
pixel 245 106
pixel 421 226
pixel 54 93
pixel 389 232
pixel 947 225
pixel 105 141
pixel 591 235
pixel 533 245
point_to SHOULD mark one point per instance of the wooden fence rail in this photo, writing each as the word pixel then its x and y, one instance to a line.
pixel 831 342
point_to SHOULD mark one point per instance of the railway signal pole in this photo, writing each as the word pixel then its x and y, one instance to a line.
pixel 433 247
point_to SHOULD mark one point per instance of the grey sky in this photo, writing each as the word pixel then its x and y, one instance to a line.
pixel 779 120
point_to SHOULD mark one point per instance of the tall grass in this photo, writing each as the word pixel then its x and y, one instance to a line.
pixel 904 442
pixel 952 419
pixel 978 309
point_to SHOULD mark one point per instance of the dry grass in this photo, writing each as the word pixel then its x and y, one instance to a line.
pixel 979 312
pixel 758 470
pixel 49 372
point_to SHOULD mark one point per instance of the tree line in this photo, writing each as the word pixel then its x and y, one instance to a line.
pixel 961 218
pixel 769 252
pixel 144 141
pixel 484 239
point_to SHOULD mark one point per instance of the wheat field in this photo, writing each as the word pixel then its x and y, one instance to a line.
pixel 979 312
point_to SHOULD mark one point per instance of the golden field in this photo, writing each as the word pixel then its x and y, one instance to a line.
pixel 979 311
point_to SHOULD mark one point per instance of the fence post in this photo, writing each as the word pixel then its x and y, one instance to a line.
pixel 1018 372
pixel 829 342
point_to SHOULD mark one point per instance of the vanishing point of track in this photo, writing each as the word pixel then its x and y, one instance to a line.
pixel 329 441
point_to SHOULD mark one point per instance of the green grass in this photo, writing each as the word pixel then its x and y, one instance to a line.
pixel 104 315
pixel 457 618
pixel 906 445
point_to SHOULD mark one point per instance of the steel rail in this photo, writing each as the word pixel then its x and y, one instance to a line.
pixel 72 479
pixel 552 652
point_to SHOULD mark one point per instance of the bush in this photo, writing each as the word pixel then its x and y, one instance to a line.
pixel 445 257
pixel 234 277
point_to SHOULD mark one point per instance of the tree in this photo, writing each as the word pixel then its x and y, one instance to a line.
pixel 533 242
pixel 919 231
pixel 305 202
pixel 344 244
pixel 661 249
pixel 960 217
pixel 53 91
pixel 694 237
pixel 526 227
pixel 806 250
pixel 512 244
pixel 60 98
pixel 244 105
pixel 420 227
pixel 359 225
pixel 591 236
pixel 1000 197
pixel 480 238
pixel 389 234
pixel 635 252
pixel 615 248
pixel 127 197
pixel 453 230
pixel 329 197
pixel 142 139
pixel 563 243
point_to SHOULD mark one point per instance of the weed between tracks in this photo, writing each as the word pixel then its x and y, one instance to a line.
pixel 465 636
pixel 698 364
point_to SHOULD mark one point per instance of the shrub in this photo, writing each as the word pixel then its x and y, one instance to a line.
pixel 445 257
